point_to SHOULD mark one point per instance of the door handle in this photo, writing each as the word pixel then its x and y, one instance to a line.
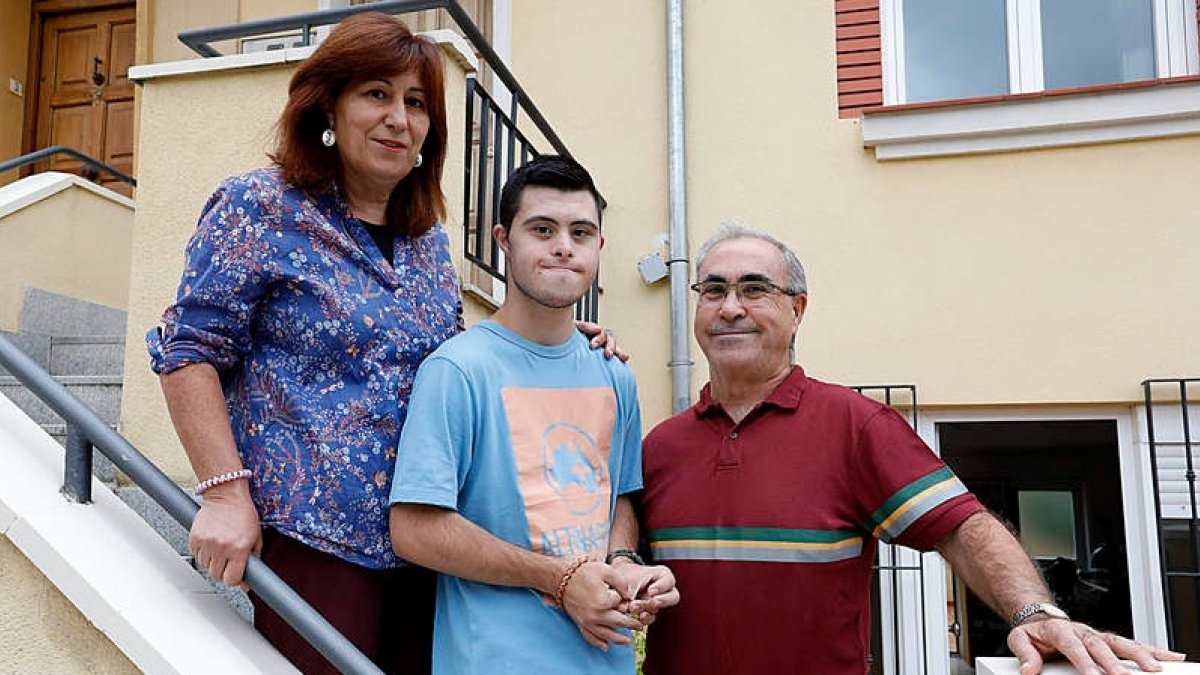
pixel 97 76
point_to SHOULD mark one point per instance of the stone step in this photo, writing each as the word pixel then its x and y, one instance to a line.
pixel 101 393
pixel 47 313
pixel 86 355
pixel 102 467
pixel 36 347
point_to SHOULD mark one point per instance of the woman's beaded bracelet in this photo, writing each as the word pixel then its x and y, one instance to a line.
pixel 218 480
pixel 566 579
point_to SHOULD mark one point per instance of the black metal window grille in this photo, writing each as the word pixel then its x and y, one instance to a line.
pixel 496 148
pixel 896 567
pixel 1174 460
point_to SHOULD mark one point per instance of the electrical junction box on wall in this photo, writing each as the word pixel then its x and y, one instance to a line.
pixel 652 268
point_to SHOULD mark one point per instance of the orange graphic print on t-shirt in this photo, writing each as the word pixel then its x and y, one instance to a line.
pixel 561 441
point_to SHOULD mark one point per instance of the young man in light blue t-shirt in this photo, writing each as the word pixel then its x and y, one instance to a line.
pixel 517 458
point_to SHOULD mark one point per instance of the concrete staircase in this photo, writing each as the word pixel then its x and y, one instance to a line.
pixel 82 345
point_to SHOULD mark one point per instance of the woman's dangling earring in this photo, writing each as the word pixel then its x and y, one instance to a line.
pixel 420 160
pixel 328 138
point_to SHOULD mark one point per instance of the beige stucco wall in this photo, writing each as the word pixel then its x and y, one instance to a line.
pixel 252 10
pixel 75 243
pixel 1033 277
pixel 41 631
pixel 14 63
pixel 168 17
pixel 185 152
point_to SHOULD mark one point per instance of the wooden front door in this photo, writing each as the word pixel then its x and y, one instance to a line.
pixel 85 98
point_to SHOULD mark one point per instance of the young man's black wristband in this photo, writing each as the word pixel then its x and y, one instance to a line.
pixel 625 553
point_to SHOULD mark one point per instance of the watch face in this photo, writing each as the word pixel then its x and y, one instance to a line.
pixel 1051 610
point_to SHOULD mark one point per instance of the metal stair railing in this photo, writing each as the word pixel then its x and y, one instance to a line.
pixel 198 41
pixel 46 153
pixel 87 431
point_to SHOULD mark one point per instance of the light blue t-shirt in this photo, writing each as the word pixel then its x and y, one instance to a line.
pixel 533 443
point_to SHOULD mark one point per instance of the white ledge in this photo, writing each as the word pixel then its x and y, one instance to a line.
pixel 455 46
pixel 39 186
pixel 115 569
pixel 1171 109
pixel 1008 666
pixel 481 295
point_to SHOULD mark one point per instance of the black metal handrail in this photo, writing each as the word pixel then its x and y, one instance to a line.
pixel 46 153
pixel 86 429
pixel 500 144
pixel 198 40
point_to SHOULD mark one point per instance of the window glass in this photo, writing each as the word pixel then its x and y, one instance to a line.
pixel 1047 523
pixel 954 49
pixel 1086 42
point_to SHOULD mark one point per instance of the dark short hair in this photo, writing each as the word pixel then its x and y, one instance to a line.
pixel 364 47
pixel 552 171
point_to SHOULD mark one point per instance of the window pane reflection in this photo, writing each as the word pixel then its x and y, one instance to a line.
pixel 1047 523
pixel 1086 42
pixel 954 49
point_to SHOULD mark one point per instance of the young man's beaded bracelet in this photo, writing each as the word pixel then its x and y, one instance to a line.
pixel 566 579
pixel 219 479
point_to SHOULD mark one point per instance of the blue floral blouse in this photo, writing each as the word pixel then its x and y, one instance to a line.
pixel 317 340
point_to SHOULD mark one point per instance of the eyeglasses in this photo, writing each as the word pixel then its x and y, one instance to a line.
pixel 751 290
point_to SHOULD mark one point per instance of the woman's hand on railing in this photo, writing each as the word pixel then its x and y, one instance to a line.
pixel 225 533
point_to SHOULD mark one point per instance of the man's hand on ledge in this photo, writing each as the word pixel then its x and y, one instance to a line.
pixel 1090 651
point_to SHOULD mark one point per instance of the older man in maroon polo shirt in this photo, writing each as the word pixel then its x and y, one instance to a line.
pixel 766 499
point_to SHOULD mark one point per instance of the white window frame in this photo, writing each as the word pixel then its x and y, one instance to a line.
pixel 1175 45
pixel 1137 499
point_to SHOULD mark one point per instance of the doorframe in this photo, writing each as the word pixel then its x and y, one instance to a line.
pixel 40 12
pixel 1137 496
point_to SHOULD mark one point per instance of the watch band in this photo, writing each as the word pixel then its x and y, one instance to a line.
pixel 625 553
pixel 1022 615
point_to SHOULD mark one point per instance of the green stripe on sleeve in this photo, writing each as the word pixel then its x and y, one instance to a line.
pixel 906 493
